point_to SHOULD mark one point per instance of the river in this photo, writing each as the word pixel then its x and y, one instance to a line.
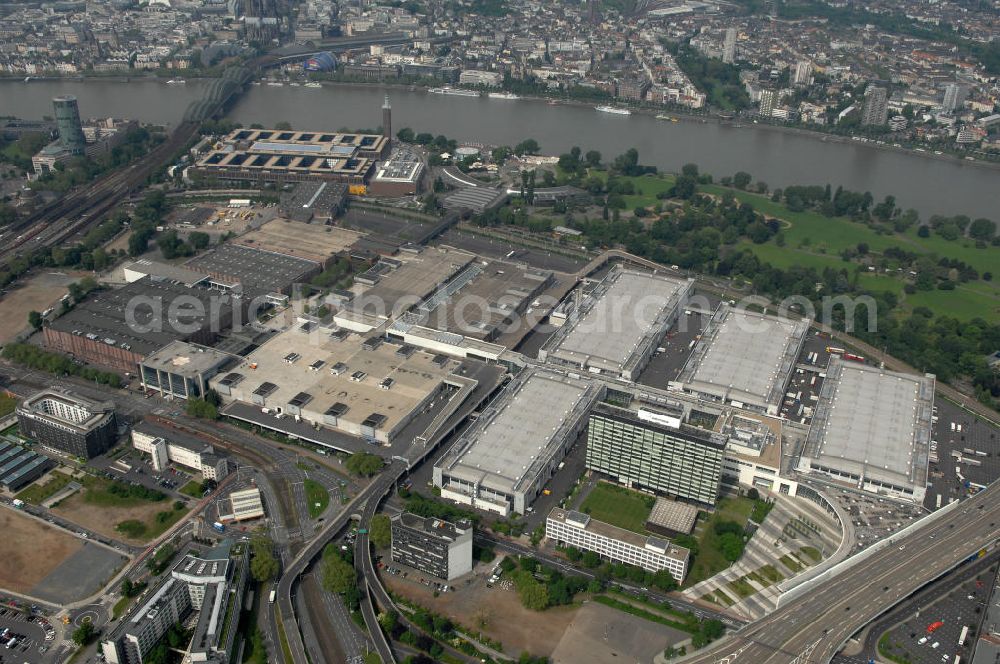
pixel 778 157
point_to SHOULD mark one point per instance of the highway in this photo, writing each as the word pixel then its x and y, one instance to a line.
pixel 815 626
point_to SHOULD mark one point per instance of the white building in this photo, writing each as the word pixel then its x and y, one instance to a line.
pixel 246 504
pixel 491 79
pixel 179 449
pixel 624 546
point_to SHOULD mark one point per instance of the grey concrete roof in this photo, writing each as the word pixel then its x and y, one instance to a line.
pixel 874 423
pixel 745 355
pixel 623 311
pixel 503 446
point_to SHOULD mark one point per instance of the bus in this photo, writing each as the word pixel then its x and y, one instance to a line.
pixel 274 596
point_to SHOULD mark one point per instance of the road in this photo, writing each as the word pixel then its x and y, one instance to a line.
pixel 813 627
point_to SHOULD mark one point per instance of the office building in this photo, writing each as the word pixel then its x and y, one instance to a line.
pixel 65 421
pixel 875 111
pixel 619 325
pixel 743 358
pixel 503 461
pixel 640 451
pixel 803 73
pixel 953 98
pixel 209 584
pixel 432 545
pixel 71 137
pixel 182 370
pixel 167 446
pixel 872 429
pixel 570 528
pixel 246 504
pixel 729 46
pixel 768 102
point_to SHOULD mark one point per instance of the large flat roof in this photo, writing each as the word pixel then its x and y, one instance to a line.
pixel 313 242
pixel 625 311
pixel 745 356
pixel 512 438
pixel 187 359
pixel 298 365
pixel 873 423
pixel 259 272
pixel 404 283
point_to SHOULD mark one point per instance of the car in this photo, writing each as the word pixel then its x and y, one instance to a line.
pixel 935 644
pixel 922 640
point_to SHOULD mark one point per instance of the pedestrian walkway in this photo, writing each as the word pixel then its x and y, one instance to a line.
pixel 778 550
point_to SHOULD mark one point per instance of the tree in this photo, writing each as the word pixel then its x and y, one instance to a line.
pixel 591 559
pixel 592 158
pixel 664 580
pixel 202 408
pixel 405 135
pixel 284 125
pixel 741 180
pixel 263 565
pixel 364 464
pixel 982 229
pixel 35 320
pixel 199 240
pixel 380 531
pixel 691 170
pixel 337 574
pixel 388 620
pixel 527 146
pixel 83 634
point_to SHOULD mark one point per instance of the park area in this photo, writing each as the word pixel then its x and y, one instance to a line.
pixel 118 511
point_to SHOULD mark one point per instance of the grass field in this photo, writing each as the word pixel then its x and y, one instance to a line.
pixel 814 240
pixel 192 488
pixel 618 506
pixel 317 496
pixel 39 491
pixel 710 560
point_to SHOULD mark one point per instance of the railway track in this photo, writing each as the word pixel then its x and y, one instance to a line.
pixel 87 206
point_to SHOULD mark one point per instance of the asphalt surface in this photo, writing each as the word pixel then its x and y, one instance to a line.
pixel 813 627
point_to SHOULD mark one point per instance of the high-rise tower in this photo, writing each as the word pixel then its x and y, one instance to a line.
pixel 68 122
pixel 387 119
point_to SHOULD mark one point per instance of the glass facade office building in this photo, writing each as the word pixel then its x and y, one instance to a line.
pixel 678 462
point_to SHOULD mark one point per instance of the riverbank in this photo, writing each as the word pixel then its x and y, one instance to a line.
pixel 706 118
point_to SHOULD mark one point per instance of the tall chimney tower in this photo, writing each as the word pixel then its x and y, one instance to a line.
pixel 387 119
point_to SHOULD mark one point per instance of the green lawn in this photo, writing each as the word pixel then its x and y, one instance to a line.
pixel 317 497
pixel 36 493
pixel 192 488
pixel 618 506
pixel 99 493
pixel 7 404
pixel 710 560
pixel 964 302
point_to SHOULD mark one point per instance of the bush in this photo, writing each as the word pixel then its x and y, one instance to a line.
pixel 364 464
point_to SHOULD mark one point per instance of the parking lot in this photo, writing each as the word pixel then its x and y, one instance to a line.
pixel 807 379
pixel 965 454
pixel 29 638
pixel 931 634
pixel 874 518
pixel 137 468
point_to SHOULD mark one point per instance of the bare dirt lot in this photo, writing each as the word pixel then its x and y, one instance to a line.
pixel 38 293
pixel 496 611
pixel 103 519
pixel 23 538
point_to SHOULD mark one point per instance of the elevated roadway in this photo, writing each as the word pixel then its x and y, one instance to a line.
pixel 814 626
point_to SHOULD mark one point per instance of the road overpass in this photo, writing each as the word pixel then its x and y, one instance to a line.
pixel 813 627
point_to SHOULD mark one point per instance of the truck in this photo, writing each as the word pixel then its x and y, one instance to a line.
pixel 273 596
pixel 18 503
pixel 219 527
pixel 965 633
pixel 934 626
